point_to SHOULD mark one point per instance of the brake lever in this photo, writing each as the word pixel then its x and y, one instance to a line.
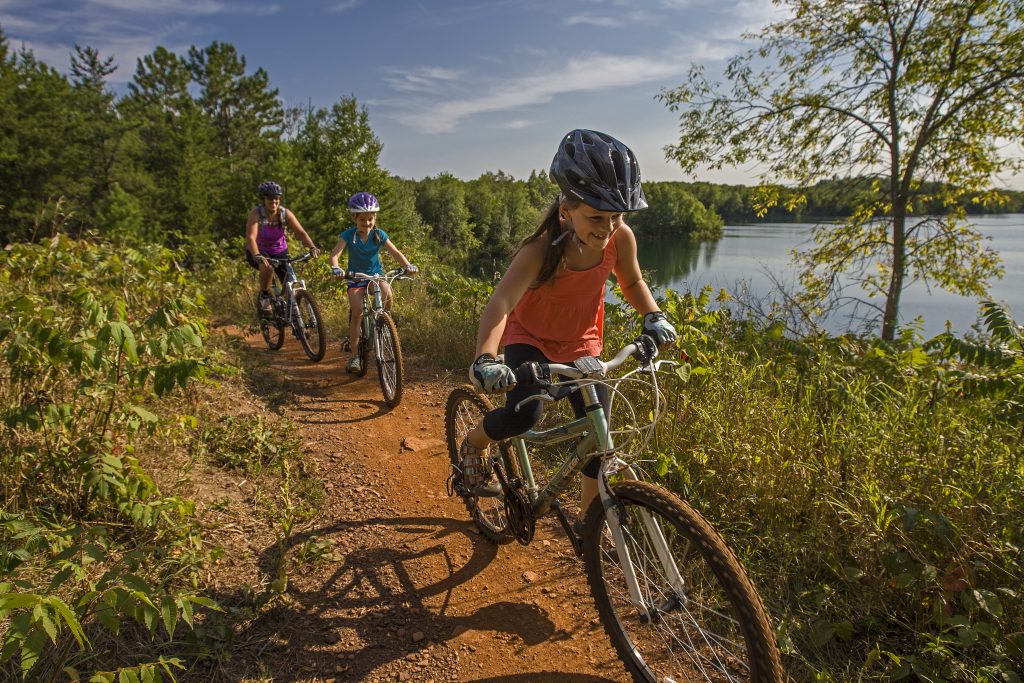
pixel 544 396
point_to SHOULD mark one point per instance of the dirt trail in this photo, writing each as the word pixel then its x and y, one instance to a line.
pixel 419 595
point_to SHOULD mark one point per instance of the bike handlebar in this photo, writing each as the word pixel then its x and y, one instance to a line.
pixel 291 259
pixel 390 275
pixel 539 374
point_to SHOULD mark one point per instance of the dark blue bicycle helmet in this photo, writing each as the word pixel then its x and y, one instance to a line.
pixel 362 202
pixel 599 171
pixel 268 188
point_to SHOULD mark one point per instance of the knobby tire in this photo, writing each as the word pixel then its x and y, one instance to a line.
pixel 719 631
pixel 464 410
pixel 271 329
pixel 312 321
pixel 390 369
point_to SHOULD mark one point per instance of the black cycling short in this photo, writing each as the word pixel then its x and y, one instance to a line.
pixel 504 422
pixel 281 268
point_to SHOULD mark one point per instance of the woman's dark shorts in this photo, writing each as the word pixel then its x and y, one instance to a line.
pixel 281 269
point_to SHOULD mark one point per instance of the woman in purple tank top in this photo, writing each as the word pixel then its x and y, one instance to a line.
pixel 265 236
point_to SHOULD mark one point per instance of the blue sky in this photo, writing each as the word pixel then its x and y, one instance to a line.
pixel 465 86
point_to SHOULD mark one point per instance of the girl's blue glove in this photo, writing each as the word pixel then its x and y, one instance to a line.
pixel 490 375
pixel 337 271
pixel 658 328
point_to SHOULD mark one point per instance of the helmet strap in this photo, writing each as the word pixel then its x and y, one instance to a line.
pixel 558 240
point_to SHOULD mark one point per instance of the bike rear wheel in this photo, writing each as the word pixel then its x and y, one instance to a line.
pixel 464 410
pixel 364 355
pixel 390 369
pixel 271 329
pixel 711 627
pixel 309 326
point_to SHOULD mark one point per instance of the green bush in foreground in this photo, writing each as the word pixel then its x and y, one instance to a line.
pixel 874 490
pixel 91 337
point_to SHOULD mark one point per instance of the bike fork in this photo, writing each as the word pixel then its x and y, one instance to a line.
pixel 654 534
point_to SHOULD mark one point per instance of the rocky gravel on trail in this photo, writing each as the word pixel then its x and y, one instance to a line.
pixel 410 591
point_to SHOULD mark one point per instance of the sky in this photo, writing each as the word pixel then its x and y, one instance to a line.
pixel 464 86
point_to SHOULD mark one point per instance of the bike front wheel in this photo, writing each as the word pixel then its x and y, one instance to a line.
pixel 699 617
pixel 310 326
pixel 464 410
pixel 271 329
pixel 389 360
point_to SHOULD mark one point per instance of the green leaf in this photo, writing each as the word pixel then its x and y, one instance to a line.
pixel 49 626
pixel 186 610
pixel 822 631
pixel 988 601
pixel 146 416
pixel 69 619
pixel 31 649
pixel 11 601
pixel 169 612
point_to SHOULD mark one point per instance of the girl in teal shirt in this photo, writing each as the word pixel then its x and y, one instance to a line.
pixel 363 242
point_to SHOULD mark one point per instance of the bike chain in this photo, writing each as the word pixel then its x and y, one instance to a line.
pixel 517 507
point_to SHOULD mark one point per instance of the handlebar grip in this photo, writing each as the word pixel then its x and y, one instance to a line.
pixel 646 350
pixel 532 374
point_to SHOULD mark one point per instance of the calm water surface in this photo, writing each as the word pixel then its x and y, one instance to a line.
pixel 746 255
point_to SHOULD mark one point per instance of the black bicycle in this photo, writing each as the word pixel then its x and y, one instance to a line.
pixel 295 306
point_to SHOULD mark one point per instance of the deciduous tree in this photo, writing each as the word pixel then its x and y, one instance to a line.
pixel 901 91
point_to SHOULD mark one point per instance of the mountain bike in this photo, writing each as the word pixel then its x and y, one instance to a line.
pixel 295 306
pixel 673 598
pixel 377 332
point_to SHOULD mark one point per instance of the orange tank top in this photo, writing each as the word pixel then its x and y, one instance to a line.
pixel 564 317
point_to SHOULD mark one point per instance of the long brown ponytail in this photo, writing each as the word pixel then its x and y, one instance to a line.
pixel 550 230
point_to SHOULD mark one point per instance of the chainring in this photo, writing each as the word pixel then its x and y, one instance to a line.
pixel 517 507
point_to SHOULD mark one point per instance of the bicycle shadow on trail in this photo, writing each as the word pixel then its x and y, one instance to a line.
pixel 543 677
pixel 362 613
pixel 358 409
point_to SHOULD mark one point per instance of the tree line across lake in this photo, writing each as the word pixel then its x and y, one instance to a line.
pixel 179 154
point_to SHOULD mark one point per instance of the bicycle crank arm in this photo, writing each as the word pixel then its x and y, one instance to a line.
pixel 577 544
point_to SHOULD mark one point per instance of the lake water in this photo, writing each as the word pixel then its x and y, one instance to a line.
pixel 747 254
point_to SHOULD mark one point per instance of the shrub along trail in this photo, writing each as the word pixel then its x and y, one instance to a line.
pixel 412 592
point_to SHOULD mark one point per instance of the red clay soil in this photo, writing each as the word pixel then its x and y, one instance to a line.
pixel 416 593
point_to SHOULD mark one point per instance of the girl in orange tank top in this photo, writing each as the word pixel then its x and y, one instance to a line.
pixel 549 306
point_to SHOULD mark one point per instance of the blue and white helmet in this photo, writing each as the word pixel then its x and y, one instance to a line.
pixel 363 202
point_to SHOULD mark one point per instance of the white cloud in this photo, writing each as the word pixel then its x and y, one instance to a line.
pixel 422 79
pixel 162 6
pixel 344 5
pixel 582 74
pixel 578 19
pixel 265 10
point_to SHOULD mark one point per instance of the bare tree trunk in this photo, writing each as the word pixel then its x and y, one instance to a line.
pixel 892 298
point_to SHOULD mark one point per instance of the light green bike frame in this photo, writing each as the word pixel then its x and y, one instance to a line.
pixel 595 441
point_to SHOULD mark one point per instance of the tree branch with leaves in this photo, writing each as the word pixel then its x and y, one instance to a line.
pixel 919 96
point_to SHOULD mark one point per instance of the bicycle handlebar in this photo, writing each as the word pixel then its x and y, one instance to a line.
pixel 390 275
pixel 539 374
pixel 291 259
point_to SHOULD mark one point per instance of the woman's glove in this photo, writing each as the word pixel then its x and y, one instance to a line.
pixel 411 269
pixel 490 375
pixel 658 328
pixel 336 271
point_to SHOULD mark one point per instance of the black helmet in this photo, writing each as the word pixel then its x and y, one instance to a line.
pixel 598 170
pixel 268 188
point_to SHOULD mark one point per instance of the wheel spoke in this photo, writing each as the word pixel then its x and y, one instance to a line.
pixel 680 632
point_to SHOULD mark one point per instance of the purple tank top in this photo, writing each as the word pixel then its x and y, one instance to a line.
pixel 270 233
